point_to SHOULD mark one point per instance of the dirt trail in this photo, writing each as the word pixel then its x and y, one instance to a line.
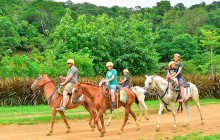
pixel 80 129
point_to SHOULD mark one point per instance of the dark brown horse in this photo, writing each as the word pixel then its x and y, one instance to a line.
pixel 96 94
pixel 54 99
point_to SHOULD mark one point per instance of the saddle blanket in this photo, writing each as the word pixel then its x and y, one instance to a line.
pixel 123 96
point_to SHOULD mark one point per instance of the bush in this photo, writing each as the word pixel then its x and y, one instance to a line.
pixel 17 91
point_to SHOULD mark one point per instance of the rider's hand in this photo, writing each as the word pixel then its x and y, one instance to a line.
pixel 61 77
pixel 62 84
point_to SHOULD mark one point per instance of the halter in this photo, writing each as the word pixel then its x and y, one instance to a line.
pixel 38 80
pixel 51 96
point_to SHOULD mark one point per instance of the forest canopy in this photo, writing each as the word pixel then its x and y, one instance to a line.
pixel 40 35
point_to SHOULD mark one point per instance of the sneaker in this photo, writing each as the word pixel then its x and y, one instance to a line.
pixel 177 88
pixel 61 109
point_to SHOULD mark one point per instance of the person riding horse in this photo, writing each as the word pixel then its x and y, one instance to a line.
pixel 125 82
pixel 111 80
pixel 68 83
pixel 179 75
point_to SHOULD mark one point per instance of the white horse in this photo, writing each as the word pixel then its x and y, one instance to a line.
pixel 168 95
pixel 140 95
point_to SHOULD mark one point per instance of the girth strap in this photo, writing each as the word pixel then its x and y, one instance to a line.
pixel 166 91
pixel 51 96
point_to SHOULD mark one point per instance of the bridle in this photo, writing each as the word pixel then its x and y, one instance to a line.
pixel 38 81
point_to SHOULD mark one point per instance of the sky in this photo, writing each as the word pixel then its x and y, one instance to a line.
pixel 142 3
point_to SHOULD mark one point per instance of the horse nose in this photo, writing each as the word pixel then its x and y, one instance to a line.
pixel 33 86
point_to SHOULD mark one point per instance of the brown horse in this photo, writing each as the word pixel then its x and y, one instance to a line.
pixel 54 99
pixel 96 94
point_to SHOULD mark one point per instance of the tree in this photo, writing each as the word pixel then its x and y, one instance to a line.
pixel 185 45
pixel 179 6
pixel 162 44
pixel 210 41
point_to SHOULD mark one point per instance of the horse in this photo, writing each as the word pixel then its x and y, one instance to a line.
pixel 139 100
pixel 54 99
pixel 168 95
pixel 97 95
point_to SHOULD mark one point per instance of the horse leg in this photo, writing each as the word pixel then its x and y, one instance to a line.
pixel 135 119
pixel 100 112
pixel 109 119
pixel 103 131
pixel 53 116
pixel 127 110
pixel 199 108
pixel 140 111
pixel 158 118
pixel 174 115
pixel 187 114
pixel 65 120
pixel 92 112
pixel 145 108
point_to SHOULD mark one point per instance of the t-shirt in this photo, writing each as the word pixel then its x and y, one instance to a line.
pixel 74 71
pixel 109 75
pixel 177 67
pixel 127 82
pixel 173 70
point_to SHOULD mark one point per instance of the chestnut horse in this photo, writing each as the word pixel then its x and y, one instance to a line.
pixel 54 99
pixel 96 94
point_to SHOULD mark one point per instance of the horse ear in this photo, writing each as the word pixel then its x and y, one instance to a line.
pixel 146 75
pixel 153 76
pixel 42 74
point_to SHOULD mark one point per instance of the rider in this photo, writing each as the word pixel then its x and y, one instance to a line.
pixel 68 83
pixel 125 82
pixel 172 72
pixel 111 80
pixel 179 74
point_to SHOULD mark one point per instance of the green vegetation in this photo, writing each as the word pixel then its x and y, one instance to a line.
pixel 197 136
pixel 39 35
pixel 41 113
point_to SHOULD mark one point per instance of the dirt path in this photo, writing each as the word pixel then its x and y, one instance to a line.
pixel 80 129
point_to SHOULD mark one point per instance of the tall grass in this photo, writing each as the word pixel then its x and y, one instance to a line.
pixel 17 91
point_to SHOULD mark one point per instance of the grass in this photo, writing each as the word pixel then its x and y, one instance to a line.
pixel 197 136
pixel 25 115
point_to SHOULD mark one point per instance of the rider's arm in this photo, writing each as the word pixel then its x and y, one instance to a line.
pixel 173 75
pixel 179 71
pixel 68 78
pixel 122 81
pixel 108 80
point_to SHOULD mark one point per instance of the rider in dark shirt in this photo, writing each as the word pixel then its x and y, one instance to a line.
pixel 126 81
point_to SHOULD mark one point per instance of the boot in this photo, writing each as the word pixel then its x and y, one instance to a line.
pixel 112 106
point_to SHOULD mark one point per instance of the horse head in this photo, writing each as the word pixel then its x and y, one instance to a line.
pixel 77 90
pixel 40 82
pixel 149 84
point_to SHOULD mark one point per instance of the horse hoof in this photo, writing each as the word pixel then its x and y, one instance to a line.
pixel 174 128
pixel 185 124
pixel 68 131
pixel 147 118
pixel 102 135
pixel 128 122
pixel 48 134
pixel 158 129
pixel 107 124
pixel 120 132
pixel 202 123
pixel 92 129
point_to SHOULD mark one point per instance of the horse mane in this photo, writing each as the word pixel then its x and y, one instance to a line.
pixel 88 84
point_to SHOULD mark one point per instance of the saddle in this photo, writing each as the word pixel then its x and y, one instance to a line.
pixel 119 93
pixel 186 84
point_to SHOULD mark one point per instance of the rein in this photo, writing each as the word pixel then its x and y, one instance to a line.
pixel 166 92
